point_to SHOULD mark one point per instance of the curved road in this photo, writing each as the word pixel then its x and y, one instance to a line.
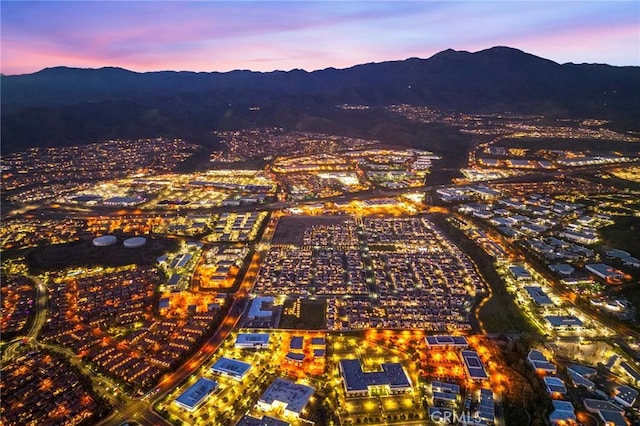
pixel 102 384
pixel 42 310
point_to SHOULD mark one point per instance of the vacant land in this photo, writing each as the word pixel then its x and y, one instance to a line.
pixel 501 315
pixel 290 229
pixel 84 253
pixel 623 234
pixel 311 315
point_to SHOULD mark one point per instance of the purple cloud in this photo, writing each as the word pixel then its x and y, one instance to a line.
pixel 207 36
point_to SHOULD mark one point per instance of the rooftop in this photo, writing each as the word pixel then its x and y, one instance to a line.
pixel 355 379
pixel 474 365
pixel 193 396
pixel 603 269
pixel 630 370
pixel 555 384
pixel 293 356
pixel 613 418
pixel 256 307
pixel 247 339
pixel 445 387
pixel 519 272
pixel 582 370
pixel 563 412
pixel 296 343
pixel 447 341
pixel 563 321
pixel 293 395
pixel 540 362
pixel 627 394
pixel 248 420
pixel 539 296
pixel 318 341
pixel 594 405
pixel 231 367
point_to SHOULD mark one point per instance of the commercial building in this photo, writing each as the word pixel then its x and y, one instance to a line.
pixel 539 297
pixel 289 396
pixel 563 269
pixel 563 413
pixel 605 272
pixel 625 395
pixel 540 363
pixel 252 341
pixel 319 353
pixel 520 273
pixel 444 397
pixel 473 365
pixel 295 344
pixel 555 385
pixel 231 367
pixel 381 202
pixel 445 387
pixel 295 357
pixel 445 392
pixel 625 257
pixel 564 322
pixel 440 414
pixel 487 409
pixel 486 193
pixel 579 237
pixel 613 418
pixel 609 413
pixel 256 310
pixel 123 201
pixel 579 375
pixel 445 341
pixel 318 342
pixel 180 260
pixel 391 379
pixel 248 420
pixel 630 371
pixel 195 395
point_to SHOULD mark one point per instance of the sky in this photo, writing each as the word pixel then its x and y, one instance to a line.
pixel 284 35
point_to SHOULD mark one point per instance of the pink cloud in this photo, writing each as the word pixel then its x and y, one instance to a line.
pixel 207 36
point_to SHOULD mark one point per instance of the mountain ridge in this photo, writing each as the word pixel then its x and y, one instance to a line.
pixel 445 52
pixel 50 105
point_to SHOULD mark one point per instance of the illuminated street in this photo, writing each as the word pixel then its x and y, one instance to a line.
pixel 333 288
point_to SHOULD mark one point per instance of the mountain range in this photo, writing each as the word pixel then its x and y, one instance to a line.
pixel 65 106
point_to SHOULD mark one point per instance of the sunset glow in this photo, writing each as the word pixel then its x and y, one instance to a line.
pixel 266 36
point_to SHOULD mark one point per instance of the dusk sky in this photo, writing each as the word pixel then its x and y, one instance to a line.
pixel 269 35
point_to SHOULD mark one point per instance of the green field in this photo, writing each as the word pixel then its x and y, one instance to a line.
pixel 85 254
pixel 624 234
pixel 501 315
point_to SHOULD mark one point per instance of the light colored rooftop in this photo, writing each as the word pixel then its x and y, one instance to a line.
pixel 295 396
